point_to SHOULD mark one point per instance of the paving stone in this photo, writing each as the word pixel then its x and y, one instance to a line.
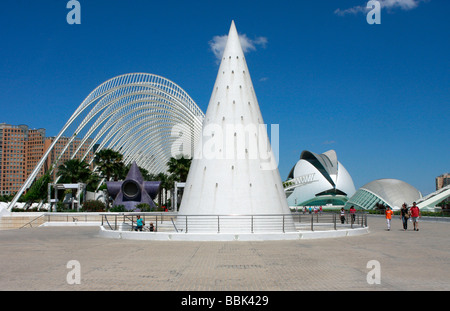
pixel 36 259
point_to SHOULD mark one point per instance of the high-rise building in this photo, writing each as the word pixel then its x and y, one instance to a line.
pixel 442 181
pixel 21 148
pixel 56 156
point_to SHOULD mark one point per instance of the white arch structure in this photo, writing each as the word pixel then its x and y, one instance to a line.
pixel 147 118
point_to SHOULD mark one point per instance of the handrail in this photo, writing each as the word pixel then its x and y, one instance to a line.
pixel 173 223
pixel 106 218
pixel 33 220
pixel 253 223
pixel 74 217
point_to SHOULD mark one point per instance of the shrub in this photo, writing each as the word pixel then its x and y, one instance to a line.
pixel 118 209
pixel 143 207
pixel 93 206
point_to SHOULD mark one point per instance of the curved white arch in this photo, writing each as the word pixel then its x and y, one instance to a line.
pixel 134 114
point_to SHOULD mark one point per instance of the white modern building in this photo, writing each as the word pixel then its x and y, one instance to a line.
pixel 387 192
pixel 318 179
pixel 228 176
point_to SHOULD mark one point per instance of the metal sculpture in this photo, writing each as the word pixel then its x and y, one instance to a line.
pixel 133 190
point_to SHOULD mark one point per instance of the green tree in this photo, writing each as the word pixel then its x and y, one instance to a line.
pixel 179 167
pixel 74 171
pixel 92 182
pixel 38 191
pixel 167 182
pixel 109 163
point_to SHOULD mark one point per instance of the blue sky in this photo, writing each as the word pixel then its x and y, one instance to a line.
pixel 377 94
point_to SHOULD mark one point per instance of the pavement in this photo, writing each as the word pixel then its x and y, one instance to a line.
pixel 39 259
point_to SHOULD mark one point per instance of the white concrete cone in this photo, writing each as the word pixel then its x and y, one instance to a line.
pixel 234 171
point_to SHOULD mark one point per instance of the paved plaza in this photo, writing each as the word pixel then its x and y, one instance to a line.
pixel 36 259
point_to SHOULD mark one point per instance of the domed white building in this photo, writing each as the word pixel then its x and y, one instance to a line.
pixel 390 192
pixel 318 179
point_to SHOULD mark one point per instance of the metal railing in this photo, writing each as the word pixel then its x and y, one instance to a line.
pixel 322 220
pixel 119 221
pixel 32 222
pixel 174 222
pixel 63 218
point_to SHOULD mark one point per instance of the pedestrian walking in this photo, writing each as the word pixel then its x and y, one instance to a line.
pixel 415 215
pixel 388 214
pixel 352 214
pixel 404 215
pixel 342 215
pixel 139 223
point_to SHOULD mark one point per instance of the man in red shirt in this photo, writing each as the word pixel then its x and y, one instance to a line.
pixel 415 214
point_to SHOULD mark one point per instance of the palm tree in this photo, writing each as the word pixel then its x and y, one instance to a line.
pixel 74 171
pixel 179 167
pixel 179 170
pixel 109 163
pixel 166 184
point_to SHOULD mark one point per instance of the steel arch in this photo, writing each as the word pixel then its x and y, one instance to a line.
pixel 135 114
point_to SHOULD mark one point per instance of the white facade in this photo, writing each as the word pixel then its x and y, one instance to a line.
pixel 329 180
pixel 391 192
pixel 228 175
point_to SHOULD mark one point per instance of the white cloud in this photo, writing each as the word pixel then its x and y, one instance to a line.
pixel 218 43
pixel 385 4
pixel 329 142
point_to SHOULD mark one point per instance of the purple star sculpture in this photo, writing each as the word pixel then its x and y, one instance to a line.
pixel 133 190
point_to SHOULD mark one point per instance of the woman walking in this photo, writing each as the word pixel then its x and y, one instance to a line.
pixel 405 216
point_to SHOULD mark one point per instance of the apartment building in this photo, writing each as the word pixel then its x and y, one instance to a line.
pixel 442 181
pixel 55 155
pixel 21 148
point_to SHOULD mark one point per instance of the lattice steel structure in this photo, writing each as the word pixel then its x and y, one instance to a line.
pixel 145 117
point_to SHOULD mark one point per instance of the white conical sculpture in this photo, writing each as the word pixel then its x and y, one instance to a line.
pixel 234 171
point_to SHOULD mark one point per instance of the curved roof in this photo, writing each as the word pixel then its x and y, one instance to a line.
pixel 146 117
pixel 316 176
pixel 393 191
pixel 326 163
